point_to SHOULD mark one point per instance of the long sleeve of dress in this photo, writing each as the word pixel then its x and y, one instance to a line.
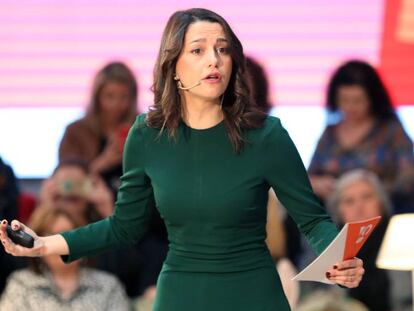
pixel 133 207
pixel 287 175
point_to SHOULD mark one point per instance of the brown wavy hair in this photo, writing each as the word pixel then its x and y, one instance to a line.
pixel 166 113
pixel 112 72
pixel 41 221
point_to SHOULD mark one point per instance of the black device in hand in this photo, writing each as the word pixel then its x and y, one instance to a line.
pixel 20 237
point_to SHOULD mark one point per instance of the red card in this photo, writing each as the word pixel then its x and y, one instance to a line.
pixel 358 233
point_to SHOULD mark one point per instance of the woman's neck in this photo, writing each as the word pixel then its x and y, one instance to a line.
pixel 108 125
pixel 357 123
pixel 199 114
pixel 67 280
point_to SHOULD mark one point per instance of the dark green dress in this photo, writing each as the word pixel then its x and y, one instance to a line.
pixel 213 202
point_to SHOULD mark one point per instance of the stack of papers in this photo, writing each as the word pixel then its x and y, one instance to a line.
pixel 345 246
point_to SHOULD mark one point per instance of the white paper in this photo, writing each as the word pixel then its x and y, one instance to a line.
pixel 348 241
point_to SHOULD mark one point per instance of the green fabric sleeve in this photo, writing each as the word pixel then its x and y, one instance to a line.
pixel 287 175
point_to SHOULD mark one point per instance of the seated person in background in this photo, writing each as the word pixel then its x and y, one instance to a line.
pixel 332 300
pixel 276 243
pixel 49 284
pixel 259 84
pixel 9 191
pixel 369 135
pixel 275 231
pixel 359 195
pixel 9 196
pixel 87 198
pixel 98 137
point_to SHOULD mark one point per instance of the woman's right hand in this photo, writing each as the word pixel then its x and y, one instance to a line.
pixel 17 250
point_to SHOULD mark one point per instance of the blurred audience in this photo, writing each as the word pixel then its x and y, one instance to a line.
pixel 87 199
pixel 359 195
pixel 358 157
pixel 9 191
pixel 82 194
pixel 49 284
pixel 98 138
pixel 276 243
pixel 332 300
pixel 9 197
pixel 368 135
pixel 275 231
pixel 259 84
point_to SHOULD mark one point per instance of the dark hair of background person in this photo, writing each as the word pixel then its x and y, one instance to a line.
pixel 41 221
pixel 116 72
pixel 360 73
pixel 9 198
pixel 9 192
pixel 166 112
pixel 259 84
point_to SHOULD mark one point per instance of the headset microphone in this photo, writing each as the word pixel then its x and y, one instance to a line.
pixel 181 87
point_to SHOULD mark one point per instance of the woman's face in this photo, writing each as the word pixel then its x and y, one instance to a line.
pixel 205 58
pixel 353 102
pixel 114 101
pixel 54 262
pixel 73 187
pixel 359 201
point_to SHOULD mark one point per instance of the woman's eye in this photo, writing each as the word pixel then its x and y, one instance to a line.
pixel 196 51
pixel 223 50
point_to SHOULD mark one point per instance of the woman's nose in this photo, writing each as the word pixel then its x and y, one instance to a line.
pixel 213 58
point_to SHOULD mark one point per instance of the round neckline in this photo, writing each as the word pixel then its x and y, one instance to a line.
pixel 219 124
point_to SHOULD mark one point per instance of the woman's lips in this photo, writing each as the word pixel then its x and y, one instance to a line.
pixel 212 78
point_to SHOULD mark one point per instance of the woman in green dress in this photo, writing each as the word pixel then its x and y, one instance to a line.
pixel 205 158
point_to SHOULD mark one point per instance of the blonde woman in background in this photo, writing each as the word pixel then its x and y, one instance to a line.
pixel 98 137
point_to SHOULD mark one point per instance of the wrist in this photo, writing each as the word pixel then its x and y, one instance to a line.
pixel 53 245
pixel 44 249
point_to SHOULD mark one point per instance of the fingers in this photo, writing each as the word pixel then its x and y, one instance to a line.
pixel 16 225
pixel 17 250
pixel 13 248
pixel 3 231
pixel 350 263
pixel 3 226
pixel 347 273
pixel 347 281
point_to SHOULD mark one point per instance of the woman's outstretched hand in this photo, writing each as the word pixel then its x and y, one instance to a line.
pixel 14 249
pixel 347 273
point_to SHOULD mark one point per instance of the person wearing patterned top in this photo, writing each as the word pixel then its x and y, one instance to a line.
pixel 49 284
pixel 97 291
pixel 369 135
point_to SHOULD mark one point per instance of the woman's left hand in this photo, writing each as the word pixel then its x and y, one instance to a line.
pixel 347 273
